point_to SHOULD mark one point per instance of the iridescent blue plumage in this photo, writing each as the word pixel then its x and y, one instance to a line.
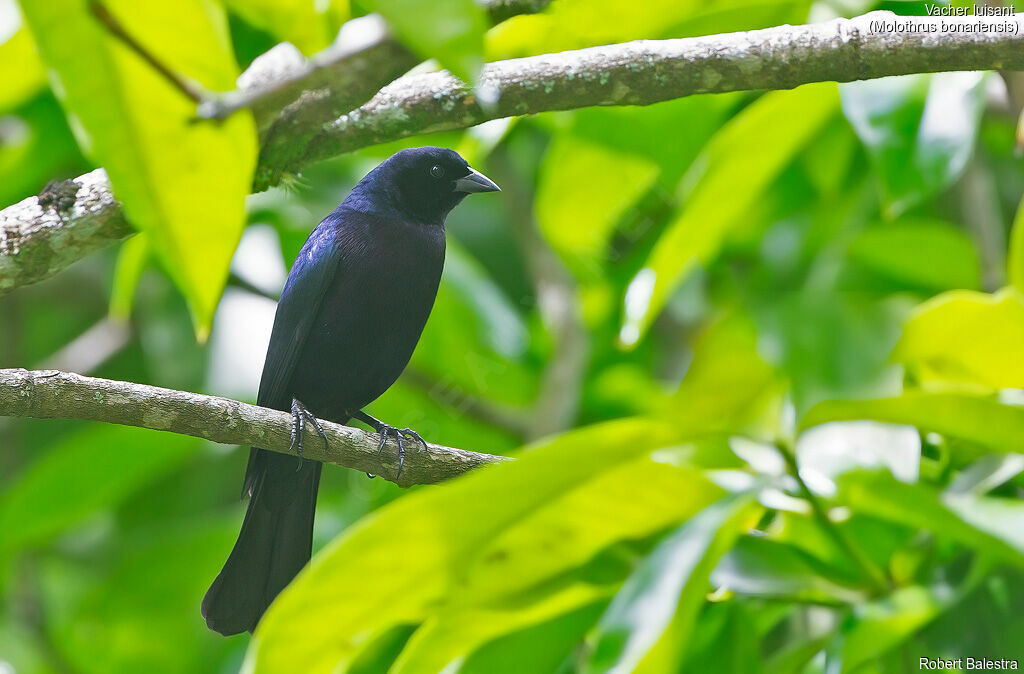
pixel 354 306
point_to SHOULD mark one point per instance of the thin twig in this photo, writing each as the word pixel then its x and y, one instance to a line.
pixel 115 28
pixel 868 568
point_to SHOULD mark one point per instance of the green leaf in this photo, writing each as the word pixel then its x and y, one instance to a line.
pixel 967 338
pixel 498 322
pixel 569 530
pixel 994 526
pixel 883 624
pixel 725 641
pixel 129 616
pixel 761 567
pixel 879 539
pixel 451 31
pixel 131 262
pixel 639 131
pixel 542 647
pixel 793 657
pixel 584 190
pixel 508 588
pixel 920 253
pixel 451 636
pixel 831 344
pixel 86 472
pixel 647 625
pixel 728 387
pixel 919 130
pixel 431 545
pixel 979 419
pixel 752 150
pixel 575 24
pixel 21 71
pixel 182 182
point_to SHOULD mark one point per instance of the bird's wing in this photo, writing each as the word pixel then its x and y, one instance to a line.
pixel 312 273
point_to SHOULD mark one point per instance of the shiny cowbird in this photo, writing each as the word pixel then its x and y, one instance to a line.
pixel 351 312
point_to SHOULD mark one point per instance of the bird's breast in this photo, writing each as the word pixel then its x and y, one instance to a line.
pixel 371 318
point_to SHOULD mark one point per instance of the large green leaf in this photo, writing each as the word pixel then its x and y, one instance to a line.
pixel 980 419
pixel 574 24
pixel 137 612
pixel 20 70
pixel 994 526
pixel 548 646
pixel 583 191
pixel 761 567
pixel 648 624
pixel 831 345
pixel 740 163
pixel 507 589
pixel 452 31
pixel 920 253
pixel 448 638
pixel 725 641
pixel 640 130
pixel 425 549
pixel 877 627
pixel 498 322
pixel 571 529
pixel 880 625
pixel 966 337
pixel 84 473
pixel 181 181
pixel 919 130
pixel 728 388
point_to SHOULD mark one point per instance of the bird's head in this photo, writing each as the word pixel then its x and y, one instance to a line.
pixel 426 183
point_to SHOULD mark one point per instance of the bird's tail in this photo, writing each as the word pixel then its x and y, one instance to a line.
pixel 275 542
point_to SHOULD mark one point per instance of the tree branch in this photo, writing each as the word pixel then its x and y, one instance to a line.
pixel 632 73
pixel 362 56
pixel 362 59
pixel 59 395
pixel 650 71
pixel 42 235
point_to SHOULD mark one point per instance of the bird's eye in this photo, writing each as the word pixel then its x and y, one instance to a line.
pixel 437 171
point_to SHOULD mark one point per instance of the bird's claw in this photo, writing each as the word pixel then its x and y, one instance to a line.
pixel 300 415
pixel 398 434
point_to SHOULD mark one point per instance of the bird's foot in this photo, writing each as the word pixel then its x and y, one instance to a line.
pixel 399 434
pixel 300 415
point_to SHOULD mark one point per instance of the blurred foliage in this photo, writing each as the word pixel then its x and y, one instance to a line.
pixel 829 276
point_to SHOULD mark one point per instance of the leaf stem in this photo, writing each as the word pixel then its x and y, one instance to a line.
pixel 879 582
pixel 115 28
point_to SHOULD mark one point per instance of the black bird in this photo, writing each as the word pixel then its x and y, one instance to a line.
pixel 352 310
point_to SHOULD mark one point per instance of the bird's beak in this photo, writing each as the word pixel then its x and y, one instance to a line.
pixel 475 182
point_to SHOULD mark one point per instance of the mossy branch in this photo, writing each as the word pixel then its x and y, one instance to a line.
pixel 37 240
